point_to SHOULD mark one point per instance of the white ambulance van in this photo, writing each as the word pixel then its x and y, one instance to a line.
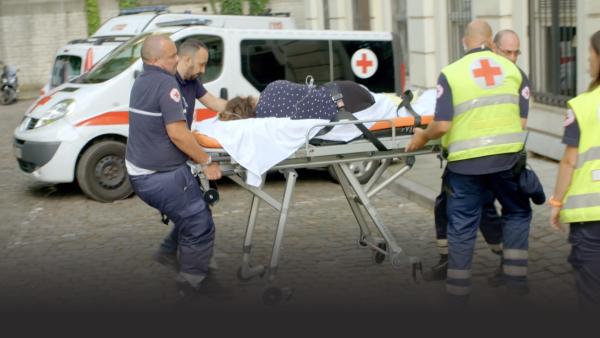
pixel 78 56
pixel 79 131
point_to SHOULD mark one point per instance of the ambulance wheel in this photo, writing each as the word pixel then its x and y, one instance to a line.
pixel 363 170
pixel 101 172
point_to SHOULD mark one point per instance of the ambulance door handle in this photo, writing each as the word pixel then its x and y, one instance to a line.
pixel 224 94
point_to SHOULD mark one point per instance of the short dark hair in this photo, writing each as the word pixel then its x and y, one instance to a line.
pixel 190 47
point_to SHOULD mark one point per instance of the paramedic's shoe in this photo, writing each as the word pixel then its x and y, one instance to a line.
pixel 208 288
pixel 438 271
pixel 167 259
pixel 497 278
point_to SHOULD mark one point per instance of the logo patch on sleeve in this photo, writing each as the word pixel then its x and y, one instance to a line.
pixel 525 93
pixel 175 96
pixel 569 118
pixel 439 91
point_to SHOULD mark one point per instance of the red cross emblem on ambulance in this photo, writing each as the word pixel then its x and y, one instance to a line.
pixel 487 73
pixel 364 63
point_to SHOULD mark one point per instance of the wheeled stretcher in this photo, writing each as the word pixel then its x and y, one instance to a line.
pixel 394 134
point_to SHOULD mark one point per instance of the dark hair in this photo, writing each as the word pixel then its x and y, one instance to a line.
pixel 190 47
pixel 595 44
pixel 238 108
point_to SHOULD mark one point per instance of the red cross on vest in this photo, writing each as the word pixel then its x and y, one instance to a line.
pixel 487 71
pixel 364 63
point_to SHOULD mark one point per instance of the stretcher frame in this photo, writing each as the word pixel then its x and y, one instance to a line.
pixel 358 196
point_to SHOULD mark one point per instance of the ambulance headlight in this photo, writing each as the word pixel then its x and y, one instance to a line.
pixel 58 111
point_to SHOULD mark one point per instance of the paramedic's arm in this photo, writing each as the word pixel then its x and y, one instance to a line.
pixel 567 165
pixel 442 120
pixel 435 130
pixel 212 102
pixel 524 99
pixel 183 139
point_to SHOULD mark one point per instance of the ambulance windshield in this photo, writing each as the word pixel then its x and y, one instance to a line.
pixel 115 62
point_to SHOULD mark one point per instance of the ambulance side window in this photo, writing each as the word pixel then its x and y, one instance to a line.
pixel 383 78
pixel 265 61
pixel 215 55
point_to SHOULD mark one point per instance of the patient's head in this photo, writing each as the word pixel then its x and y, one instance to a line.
pixel 239 108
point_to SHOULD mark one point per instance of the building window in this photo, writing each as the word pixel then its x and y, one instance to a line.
pixel 459 16
pixel 553 50
pixel 362 16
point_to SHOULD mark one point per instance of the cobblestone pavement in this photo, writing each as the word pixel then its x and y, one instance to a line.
pixel 60 250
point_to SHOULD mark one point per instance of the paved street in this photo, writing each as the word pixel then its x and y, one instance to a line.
pixel 60 250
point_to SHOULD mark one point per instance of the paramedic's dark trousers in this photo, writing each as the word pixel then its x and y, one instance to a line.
pixel 585 259
pixel 490 224
pixel 177 194
pixel 464 208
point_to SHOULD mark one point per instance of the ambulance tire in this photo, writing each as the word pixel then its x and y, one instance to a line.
pixel 363 170
pixel 101 172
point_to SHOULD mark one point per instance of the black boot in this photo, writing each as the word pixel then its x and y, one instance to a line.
pixel 497 279
pixel 438 271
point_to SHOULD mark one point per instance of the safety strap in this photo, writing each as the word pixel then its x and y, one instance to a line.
pixel 407 97
pixel 343 114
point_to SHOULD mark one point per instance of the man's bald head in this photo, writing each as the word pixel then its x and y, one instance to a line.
pixel 160 51
pixel 507 44
pixel 477 33
pixel 154 47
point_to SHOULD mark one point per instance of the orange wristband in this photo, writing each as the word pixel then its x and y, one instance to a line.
pixel 555 203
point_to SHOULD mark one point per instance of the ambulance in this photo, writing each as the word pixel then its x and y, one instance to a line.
pixel 78 56
pixel 78 132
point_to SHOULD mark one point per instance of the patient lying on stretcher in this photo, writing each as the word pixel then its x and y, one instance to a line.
pixel 297 101
pixel 257 144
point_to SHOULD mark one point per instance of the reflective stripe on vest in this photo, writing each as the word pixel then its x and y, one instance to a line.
pixel 485 141
pixel 485 101
pixel 591 154
pixel 582 200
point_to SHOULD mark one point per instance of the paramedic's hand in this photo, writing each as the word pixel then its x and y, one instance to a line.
pixel 554 219
pixel 212 171
pixel 418 140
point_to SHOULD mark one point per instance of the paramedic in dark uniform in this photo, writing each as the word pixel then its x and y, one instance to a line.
pixel 158 147
pixel 507 44
pixel 576 198
pixel 193 57
pixel 480 114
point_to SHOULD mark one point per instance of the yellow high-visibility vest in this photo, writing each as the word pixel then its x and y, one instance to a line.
pixel 485 95
pixel 582 200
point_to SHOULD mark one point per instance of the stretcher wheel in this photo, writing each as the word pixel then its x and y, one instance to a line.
pixel 379 257
pixel 241 277
pixel 211 196
pixel 362 242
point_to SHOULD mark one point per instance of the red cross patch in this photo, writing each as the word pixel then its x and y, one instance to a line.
pixel 487 73
pixel 175 96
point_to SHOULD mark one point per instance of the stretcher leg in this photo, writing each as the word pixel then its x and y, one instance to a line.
pixel 394 251
pixel 383 165
pixel 365 233
pixel 246 270
pixel 273 294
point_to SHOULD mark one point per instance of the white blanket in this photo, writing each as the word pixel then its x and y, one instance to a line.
pixel 259 144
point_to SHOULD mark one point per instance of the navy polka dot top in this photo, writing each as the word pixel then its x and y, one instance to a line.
pixel 297 101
